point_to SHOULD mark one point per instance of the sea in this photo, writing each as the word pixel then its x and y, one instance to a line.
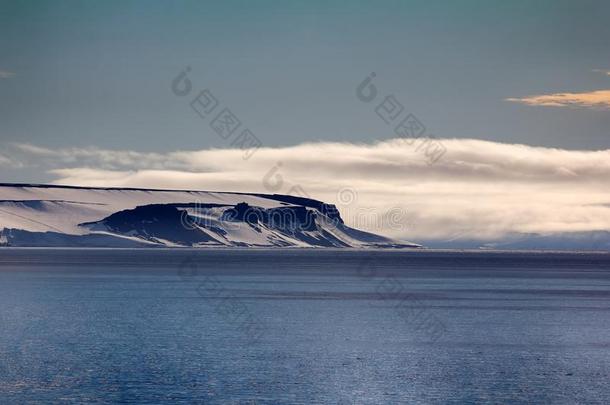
pixel 303 326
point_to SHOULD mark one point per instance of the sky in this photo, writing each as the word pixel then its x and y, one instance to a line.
pixel 88 96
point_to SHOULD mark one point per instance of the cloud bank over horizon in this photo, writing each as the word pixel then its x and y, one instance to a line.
pixel 478 189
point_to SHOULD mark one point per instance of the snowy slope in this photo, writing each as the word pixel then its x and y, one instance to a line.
pixel 39 215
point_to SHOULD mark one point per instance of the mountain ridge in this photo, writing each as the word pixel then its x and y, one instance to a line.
pixel 69 216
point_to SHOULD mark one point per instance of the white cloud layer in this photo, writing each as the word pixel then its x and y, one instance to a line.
pixel 478 189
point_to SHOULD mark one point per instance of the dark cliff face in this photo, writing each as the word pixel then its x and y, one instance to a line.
pixel 233 225
pixel 330 210
pixel 295 218
pixel 157 222
pixel 162 221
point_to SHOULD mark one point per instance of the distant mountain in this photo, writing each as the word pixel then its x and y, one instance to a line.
pixel 590 240
pixel 64 216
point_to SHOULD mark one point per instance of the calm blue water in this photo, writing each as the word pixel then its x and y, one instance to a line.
pixel 307 327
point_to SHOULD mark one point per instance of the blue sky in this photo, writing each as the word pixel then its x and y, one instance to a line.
pixel 98 73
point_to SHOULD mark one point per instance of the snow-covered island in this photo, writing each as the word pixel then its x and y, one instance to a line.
pixel 66 216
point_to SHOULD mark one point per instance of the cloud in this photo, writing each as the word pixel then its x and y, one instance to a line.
pixel 5 74
pixel 100 158
pixel 10 163
pixel 4 161
pixel 478 189
pixel 599 99
pixel 606 72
